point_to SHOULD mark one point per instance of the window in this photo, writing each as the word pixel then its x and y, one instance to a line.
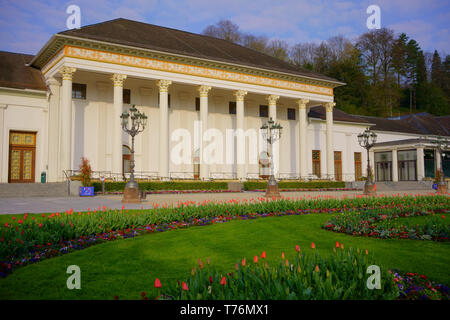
pixel 78 91
pixel 316 162
pixel 168 100
pixel 338 165
pixel 358 166
pixel 263 111
pixel 197 104
pixel 127 96
pixel 291 114
pixel 232 107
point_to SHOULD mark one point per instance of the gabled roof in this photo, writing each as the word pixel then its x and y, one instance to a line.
pixel 15 74
pixel 148 36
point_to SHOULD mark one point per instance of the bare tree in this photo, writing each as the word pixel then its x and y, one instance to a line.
pixel 258 43
pixel 303 54
pixel 278 49
pixel 224 29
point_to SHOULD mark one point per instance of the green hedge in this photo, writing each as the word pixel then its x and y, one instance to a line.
pixel 252 185
pixel 165 185
pixel 215 185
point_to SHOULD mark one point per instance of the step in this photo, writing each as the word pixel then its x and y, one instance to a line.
pixel 52 189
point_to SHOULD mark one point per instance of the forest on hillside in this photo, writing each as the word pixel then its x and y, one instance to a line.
pixel 386 74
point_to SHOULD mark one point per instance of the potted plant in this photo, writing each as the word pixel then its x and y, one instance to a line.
pixel 86 188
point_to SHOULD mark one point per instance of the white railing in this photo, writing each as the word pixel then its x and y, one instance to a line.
pixel 223 175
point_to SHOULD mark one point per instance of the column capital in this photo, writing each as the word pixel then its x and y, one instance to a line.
pixel 302 103
pixel 329 106
pixel 52 82
pixel 272 99
pixel 67 72
pixel 203 90
pixel 240 94
pixel 118 79
pixel 163 85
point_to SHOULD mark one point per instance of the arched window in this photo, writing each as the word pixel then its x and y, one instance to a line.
pixel 126 159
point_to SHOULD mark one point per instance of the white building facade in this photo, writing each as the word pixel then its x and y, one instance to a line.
pixel 90 83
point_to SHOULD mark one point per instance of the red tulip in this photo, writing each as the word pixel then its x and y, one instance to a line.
pixel 223 281
pixel 342 246
pixel 210 279
pixel 255 259
pixel 263 255
pixel 313 246
pixel 282 255
pixel 143 293
pixel 297 248
pixel 243 262
pixel 317 268
pixel 337 244
pixel 157 283
pixel 185 286
pixel 6 224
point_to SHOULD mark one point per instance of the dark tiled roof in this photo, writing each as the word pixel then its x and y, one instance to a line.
pixel 424 124
pixel 338 115
pixel 148 36
pixel 15 74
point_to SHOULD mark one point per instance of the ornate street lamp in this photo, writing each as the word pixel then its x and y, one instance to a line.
pixel 271 132
pixel 366 140
pixel 442 144
pixel 138 123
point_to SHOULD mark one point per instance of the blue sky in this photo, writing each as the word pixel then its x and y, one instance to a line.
pixel 25 26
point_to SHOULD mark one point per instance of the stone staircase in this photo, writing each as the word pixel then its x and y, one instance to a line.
pixel 52 189
pixel 404 185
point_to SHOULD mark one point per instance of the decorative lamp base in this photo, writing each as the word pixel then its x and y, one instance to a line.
pixel 273 192
pixel 131 195
pixel 369 190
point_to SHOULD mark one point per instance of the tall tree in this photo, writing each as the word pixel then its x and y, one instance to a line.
pixel 437 72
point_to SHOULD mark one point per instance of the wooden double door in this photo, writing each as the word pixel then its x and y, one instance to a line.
pixel 22 156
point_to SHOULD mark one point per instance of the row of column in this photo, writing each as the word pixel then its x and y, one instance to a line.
pixel 65 130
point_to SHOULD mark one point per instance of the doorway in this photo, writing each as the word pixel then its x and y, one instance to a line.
pixel 22 157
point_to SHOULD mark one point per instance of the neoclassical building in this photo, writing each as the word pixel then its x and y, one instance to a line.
pixel 65 103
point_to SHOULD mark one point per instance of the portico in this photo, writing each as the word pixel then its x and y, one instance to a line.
pixel 166 78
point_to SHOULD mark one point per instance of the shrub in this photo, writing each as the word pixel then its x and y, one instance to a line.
pixel 86 172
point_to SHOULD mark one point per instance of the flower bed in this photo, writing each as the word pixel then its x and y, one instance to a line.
pixel 382 223
pixel 224 191
pixel 414 286
pixel 26 240
pixel 341 275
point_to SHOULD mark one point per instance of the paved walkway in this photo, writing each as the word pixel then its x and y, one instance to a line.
pixel 41 204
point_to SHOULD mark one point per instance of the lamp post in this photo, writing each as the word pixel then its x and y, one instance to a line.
pixel 442 144
pixel 366 140
pixel 138 123
pixel 271 132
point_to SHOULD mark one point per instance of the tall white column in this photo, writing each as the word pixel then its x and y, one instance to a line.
pixel 204 167
pixel 163 86
pixel 66 121
pixel 272 100
pixel 117 156
pixel 241 167
pixel 3 174
pixel 437 156
pixel 53 129
pixel 302 136
pixel 394 166
pixel 420 164
pixel 330 154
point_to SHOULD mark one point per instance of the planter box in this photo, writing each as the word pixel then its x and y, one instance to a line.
pixel 86 191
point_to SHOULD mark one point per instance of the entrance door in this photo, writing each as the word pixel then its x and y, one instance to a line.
pixel 338 165
pixel 22 156
pixel 384 171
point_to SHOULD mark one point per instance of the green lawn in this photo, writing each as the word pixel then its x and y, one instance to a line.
pixel 127 267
